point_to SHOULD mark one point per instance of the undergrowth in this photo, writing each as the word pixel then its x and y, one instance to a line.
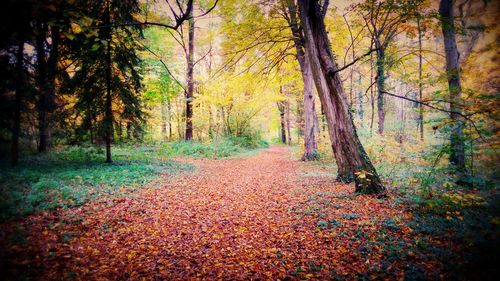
pixel 72 176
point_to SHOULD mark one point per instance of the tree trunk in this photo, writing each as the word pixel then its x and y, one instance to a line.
pixel 281 108
pixel 457 155
pixel 169 119
pixel 360 108
pixel 420 119
pixel 109 110
pixel 311 122
pixel 190 81
pixel 41 80
pixel 324 71
pixel 288 121
pixel 16 128
pixel 372 96
pixel 380 64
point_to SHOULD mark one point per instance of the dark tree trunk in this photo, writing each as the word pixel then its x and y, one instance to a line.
pixel 310 118
pixel 380 64
pixel 457 156
pixel 326 77
pixel 420 119
pixel 43 99
pixel 16 128
pixel 109 110
pixel 190 81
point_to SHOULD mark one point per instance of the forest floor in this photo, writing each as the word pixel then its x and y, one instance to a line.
pixel 262 216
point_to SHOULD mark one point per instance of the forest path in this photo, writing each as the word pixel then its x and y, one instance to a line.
pixel 267 216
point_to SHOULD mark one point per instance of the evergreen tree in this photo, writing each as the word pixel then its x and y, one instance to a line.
pixel 107 81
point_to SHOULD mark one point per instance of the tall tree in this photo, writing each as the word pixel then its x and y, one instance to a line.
pixel 310 143
pixel 107 81
pixel 324 69
pixel 189 79
pixel 457 155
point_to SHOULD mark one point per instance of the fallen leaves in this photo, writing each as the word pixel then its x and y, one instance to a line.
pixel 241 218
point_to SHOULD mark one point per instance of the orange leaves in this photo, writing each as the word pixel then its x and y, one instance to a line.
pixel 234 219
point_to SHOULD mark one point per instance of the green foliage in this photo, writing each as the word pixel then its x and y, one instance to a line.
pixel 75 175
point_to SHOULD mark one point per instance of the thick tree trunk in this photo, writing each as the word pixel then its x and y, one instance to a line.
pixel 334 100
pixel 310 118
pixel 16 128
pixel 457 156
pixel 380 64
pixel 190 81
pixel 108 106
pixel 420 119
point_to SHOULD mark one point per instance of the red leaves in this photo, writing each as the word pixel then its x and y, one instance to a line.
pixel 247 218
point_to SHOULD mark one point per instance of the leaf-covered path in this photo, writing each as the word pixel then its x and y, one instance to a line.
pixel 266 216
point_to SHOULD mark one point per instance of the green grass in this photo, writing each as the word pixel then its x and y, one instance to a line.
pixel 71 176
pixel 75 175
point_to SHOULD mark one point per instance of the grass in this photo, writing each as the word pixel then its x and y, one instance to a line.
pixel 75 175
pixel 71 176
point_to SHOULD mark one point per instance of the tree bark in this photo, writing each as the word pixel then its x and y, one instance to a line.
pixel 190 81
pixel 457 155
pixel 109 110
pixel 310 118
pixel 281 108
pixel 16 128
pixel 288 121
pixel 333 98
pixel 380 65
pixel 360 109
pixel 420 120
pixel 43 99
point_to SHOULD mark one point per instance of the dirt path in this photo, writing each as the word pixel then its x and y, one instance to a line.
pixel 267 216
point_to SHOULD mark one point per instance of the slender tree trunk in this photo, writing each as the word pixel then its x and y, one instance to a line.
pixel 457 156
pixel 43 99
pixel 360 108
pixel 16 128
pixel 420 84
pixel 281 108
pixel 109 110
pixel 380 64
pixel 310 118
pixel 190 81
pixel 163 120
pixel 372 96
pixel 288 121
pixel 169 119
pixel 324 69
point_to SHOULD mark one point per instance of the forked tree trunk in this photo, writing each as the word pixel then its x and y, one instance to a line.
pixel 190 81
pixel 310 118
pixel 332 96
pixel 457 155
